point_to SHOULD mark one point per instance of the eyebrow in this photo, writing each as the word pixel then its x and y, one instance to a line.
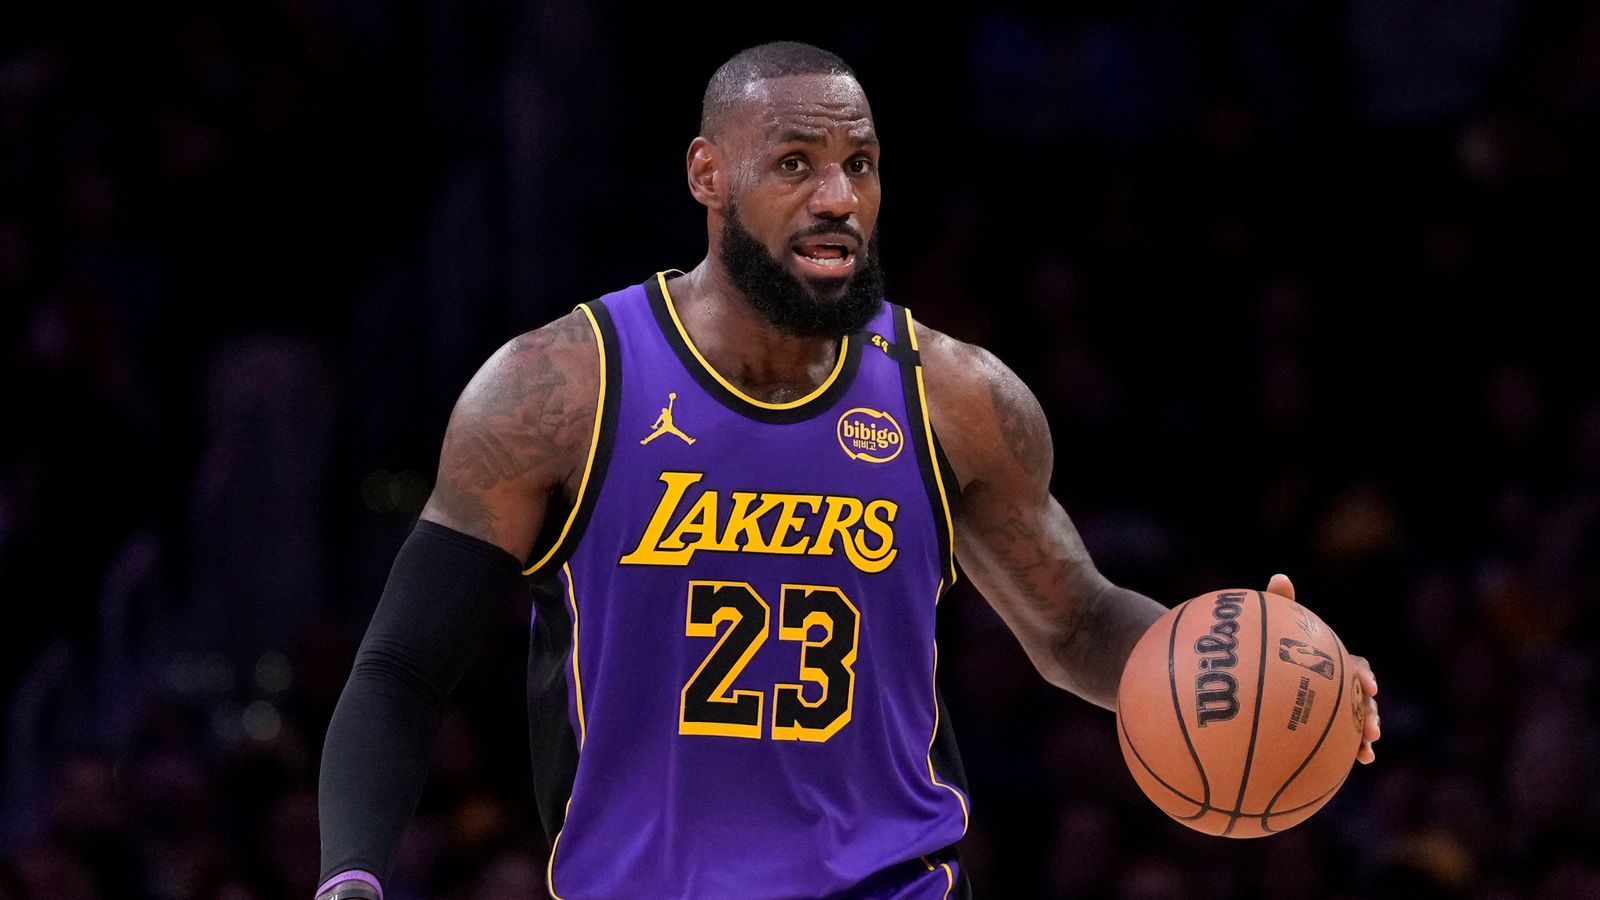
pixel 795 135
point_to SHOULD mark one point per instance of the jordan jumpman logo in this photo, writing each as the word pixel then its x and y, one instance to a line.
pixel 663 424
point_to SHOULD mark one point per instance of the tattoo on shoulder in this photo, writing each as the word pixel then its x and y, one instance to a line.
pixel 963 374
pixel 521 413
pixel 1022 422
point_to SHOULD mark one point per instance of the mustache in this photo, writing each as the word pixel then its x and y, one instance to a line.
pixel 829 229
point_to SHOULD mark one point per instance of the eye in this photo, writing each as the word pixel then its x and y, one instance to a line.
pixel 792 164
pixel 861 165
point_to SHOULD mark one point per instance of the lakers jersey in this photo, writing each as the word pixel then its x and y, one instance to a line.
pixel 732 679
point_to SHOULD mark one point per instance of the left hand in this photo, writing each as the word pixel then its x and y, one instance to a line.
pixel 1283 587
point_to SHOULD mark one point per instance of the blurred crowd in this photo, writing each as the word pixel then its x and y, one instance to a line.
pixel 1301 287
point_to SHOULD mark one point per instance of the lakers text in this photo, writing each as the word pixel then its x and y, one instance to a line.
pixel 686 522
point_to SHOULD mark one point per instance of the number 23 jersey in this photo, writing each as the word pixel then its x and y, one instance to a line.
pixel 732 680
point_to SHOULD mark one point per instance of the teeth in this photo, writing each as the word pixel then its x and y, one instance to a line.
pixel 824 261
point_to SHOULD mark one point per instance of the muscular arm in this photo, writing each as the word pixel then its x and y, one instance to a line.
pixel 1013 539
pixel 518 434
pixel 520 431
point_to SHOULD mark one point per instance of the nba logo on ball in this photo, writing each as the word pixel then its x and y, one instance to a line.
pixel 1230 713
pixel 870 435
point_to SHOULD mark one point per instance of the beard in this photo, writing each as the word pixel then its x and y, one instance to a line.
pixel 808 307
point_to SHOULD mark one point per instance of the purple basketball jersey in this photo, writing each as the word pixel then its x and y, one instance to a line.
pixel 750 587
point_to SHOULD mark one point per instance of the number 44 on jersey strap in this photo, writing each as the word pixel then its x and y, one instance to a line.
pixel 741 615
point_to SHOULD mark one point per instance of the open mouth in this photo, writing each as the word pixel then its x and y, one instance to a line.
pixel 826 255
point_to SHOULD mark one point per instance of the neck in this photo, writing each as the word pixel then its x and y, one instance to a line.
pixel 744 348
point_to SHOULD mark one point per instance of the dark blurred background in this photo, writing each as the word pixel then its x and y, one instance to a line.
pixel 1303 287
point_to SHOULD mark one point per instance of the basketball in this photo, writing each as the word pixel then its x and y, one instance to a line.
pixel 1236 713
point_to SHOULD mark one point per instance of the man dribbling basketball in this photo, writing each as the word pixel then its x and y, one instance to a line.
pixel 732 689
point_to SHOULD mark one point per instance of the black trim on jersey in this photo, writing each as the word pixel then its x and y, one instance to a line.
pixel 804 412
pixel 962 889
pixel 899 351
pixel 894 879
pixel 952 488
pixel 551 741
pixel 557 516
pixel 945 754
pixel 927 457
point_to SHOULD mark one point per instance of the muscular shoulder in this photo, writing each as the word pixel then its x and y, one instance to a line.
pixel 519 431
pixel 989 423
pixel 536 382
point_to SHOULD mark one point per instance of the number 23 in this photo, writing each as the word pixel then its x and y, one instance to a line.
pixel 710 707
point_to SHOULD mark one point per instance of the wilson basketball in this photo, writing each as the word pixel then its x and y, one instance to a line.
pixel 1237 715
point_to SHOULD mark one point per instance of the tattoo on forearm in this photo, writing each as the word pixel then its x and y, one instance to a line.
pixel 1046 581
pixel 1037 566
pixel 1015 541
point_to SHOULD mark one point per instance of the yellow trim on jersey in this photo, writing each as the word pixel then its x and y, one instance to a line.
pixel 938 476
pixel 577 686
pixel 949 876
pixel 577 681
pixel 672 310
pixel 550 866
pixel 594 445
pixel 965 813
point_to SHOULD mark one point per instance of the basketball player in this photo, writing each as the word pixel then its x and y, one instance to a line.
pixel 753 480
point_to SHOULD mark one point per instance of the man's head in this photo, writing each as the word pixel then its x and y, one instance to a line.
pixel 786 165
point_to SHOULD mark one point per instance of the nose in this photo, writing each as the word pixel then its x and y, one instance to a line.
pixel 835 196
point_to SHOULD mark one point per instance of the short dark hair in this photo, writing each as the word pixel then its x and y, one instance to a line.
pixel 771 60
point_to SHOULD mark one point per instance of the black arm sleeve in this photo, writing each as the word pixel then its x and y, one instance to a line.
pixel 443 593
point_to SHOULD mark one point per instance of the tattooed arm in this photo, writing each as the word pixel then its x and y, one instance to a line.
pixel 518 434
pixel 1013 539
pixel 1020 549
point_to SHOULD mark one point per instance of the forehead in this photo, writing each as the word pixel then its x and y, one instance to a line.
pixel 774 109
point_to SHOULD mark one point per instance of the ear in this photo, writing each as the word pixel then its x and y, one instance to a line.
pixel 707 178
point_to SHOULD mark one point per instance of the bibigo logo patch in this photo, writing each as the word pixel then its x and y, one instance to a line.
pixel 870 435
